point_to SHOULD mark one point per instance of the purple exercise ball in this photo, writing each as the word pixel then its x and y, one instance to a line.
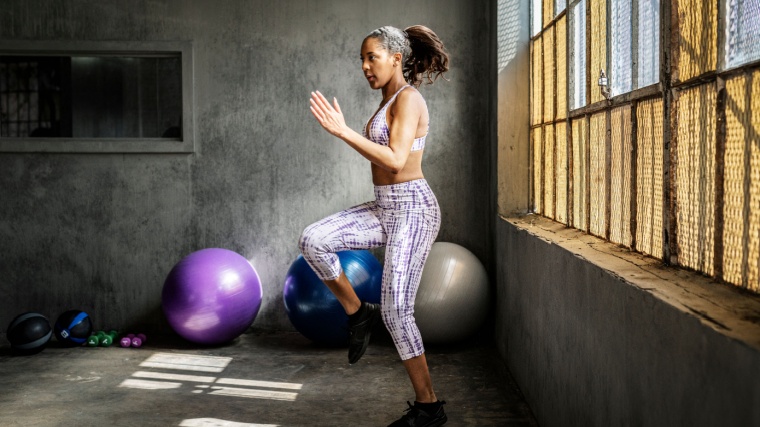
pixel 211 296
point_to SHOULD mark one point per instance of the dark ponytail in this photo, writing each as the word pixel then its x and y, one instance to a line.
pixel 428 59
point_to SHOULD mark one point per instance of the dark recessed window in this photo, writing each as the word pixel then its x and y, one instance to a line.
pixel 93 96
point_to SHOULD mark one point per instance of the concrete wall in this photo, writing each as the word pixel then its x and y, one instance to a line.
pixel 101 231
pixel 596 336
pixel 513 177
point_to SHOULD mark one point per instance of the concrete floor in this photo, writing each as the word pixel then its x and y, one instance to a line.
pixel 261 379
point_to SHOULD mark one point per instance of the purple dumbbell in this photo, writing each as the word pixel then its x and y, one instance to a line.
pixel 139 340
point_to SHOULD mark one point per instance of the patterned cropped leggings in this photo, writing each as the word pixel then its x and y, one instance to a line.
pixel 404 218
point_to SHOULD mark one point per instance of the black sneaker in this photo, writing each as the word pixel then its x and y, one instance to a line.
pixel 416 417
pixel 360 331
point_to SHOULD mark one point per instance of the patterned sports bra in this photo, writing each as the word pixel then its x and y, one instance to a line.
pixel 379 133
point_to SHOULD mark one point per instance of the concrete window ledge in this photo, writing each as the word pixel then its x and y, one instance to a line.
pixel 729 311
pixel 596 334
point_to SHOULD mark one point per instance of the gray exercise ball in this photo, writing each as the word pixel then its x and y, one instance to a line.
pixel 453 298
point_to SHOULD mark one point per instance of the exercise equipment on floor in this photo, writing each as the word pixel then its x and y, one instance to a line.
pixel 313 309
pixel 73 327
pixel 453 299
pixel 102 339
pixel 132 340
pixel 211 296
pixel 29 333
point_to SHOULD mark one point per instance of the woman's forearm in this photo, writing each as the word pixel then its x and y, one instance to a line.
pixel 332 120
pixel 380 155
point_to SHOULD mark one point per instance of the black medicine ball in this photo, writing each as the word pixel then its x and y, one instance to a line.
pixel 28 333
pixel 73 327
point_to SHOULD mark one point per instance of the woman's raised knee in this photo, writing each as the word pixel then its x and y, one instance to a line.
pixel 306 243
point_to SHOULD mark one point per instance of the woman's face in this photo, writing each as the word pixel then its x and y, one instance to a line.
pixel 377 63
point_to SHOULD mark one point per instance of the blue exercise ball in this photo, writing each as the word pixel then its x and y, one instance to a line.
pixel 311 306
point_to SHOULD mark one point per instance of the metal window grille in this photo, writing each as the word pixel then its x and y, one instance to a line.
pixel 20 114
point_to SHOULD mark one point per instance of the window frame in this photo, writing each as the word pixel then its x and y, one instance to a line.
pixel 638 94
pixel 185 144
pixel 669 88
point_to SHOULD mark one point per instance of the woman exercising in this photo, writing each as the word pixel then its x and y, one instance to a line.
pixel 404 216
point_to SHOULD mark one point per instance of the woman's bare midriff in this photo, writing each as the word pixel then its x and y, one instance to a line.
pixel 412 170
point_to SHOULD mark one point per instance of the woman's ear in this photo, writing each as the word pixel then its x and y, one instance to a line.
pixel 397 58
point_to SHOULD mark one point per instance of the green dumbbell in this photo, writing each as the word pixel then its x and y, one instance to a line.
pixel 93 341
pixel 108 338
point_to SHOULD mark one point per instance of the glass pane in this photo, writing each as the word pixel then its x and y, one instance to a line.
pixel 695 176
pixel 742 32
pixel 508 31
pixel 598 174
pixel 580 170
pixel 649 43
pixel 697 44
pixel 549 180
pixel 561 171
pixel 649 176
pixel 741 201
pixel 549 72
pixel 599 43
pixel 92 96
pixel 538 161
pixel 535 13
pixel 548 13
pixel 621 63
pixel 537 80
pixel 559 6
pixel 578 55
pixel 621 143
pixel 561 65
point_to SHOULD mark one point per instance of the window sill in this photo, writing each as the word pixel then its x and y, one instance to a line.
pixel 726 309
